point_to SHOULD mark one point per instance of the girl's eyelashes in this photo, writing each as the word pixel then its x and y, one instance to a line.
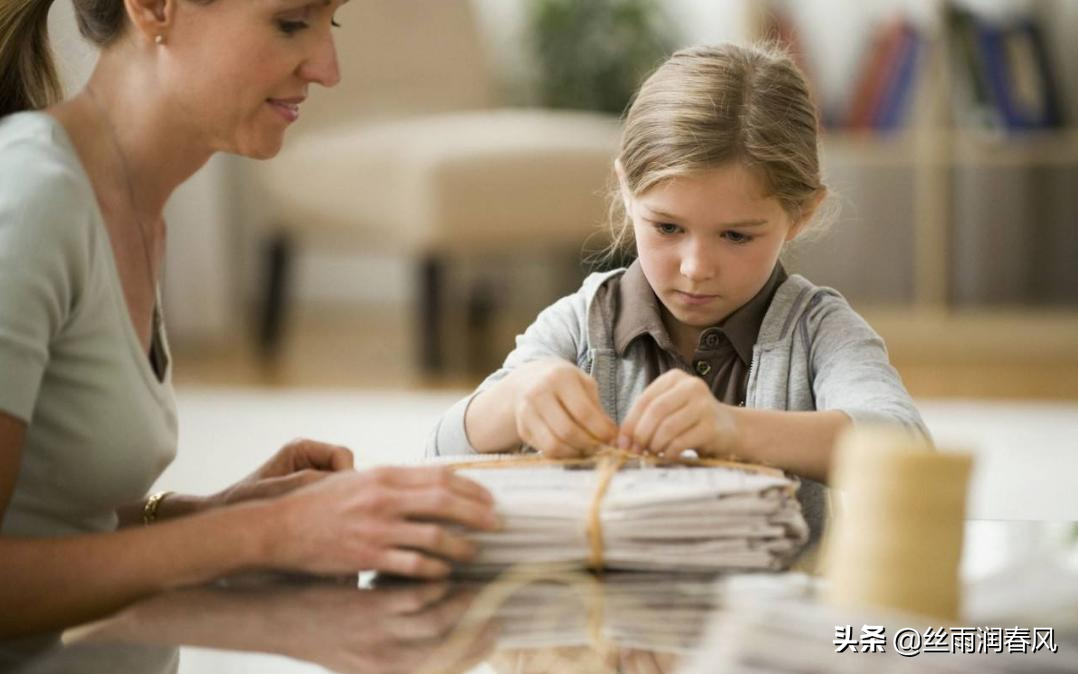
pixel 736 237
pixel 669 229
pixel 333 22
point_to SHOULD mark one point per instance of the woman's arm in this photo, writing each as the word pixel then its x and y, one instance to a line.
pixel 49 583
pixel 346 523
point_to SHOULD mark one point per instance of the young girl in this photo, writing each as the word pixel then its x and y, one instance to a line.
pixel 704 342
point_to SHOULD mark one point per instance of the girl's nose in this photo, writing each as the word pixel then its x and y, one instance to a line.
pixel 696 264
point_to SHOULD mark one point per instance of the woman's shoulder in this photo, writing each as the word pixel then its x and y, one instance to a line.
pixel 37 159
pixel 43 189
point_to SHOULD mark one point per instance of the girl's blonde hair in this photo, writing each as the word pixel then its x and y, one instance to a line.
pixel 709 106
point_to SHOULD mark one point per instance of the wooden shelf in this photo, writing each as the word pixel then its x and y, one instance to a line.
pixel 868 148
pixel 957 147
pixel 1014 334
pixel 933 160
pixel 1058 147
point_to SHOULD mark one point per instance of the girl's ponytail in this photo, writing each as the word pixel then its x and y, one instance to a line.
pixel 28 79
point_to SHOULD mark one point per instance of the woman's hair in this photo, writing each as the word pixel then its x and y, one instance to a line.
pixel 708 106
pixel 28 79
pixel 27 75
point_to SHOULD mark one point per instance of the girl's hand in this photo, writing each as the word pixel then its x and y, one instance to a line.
pixel 295 465
pixel 389 519
pixel 675 413
pixel 557 409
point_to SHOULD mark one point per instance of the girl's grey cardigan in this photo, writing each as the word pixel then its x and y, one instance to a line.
pixel 814 352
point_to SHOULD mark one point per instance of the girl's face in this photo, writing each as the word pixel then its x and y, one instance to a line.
pixel 238 70
pixel 707 243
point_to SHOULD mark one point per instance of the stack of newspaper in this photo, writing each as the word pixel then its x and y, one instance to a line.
pixel 651 518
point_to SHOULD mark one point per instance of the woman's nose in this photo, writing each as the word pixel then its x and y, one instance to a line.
pixel 321 66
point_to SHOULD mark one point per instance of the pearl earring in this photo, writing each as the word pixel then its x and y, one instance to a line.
pixel 160 39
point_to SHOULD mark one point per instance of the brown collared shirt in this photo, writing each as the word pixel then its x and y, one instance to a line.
pixel 724 352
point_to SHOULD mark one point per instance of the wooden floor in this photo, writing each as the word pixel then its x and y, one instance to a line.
pixel 373 348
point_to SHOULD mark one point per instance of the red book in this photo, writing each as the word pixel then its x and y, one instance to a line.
pixel 878 70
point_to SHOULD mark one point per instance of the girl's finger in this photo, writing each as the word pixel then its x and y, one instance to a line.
pixel 581 401
pixel 540 436
pixel 662 406
pixel 672 426
pixel 564 426
pixel 694 437
pixel 632 420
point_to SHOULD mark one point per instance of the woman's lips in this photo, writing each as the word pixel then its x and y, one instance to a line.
pixel 289 109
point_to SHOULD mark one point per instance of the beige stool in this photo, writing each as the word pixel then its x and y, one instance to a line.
pixel 407 156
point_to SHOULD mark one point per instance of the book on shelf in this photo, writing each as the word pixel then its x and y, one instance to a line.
pixel 881 98
pixel 1006 77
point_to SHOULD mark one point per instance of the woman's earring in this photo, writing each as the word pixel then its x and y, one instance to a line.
pixel 160 39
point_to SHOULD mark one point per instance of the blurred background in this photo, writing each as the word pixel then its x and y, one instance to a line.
pixel 455 181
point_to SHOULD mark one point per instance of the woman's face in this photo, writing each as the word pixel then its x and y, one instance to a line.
pixel 238 70
pixel 708 243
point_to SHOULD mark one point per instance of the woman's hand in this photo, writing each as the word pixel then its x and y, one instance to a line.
pixel 295 465
pixel 678 412
pixel 557 409
pixel 390 519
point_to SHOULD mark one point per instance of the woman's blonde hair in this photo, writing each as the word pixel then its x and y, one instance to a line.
pixel 709 106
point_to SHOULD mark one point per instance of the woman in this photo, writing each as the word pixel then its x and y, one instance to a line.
pixel 87 419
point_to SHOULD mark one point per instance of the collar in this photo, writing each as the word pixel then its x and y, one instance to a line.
pixel 638 313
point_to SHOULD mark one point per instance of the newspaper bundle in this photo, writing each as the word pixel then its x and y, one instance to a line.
pixel 671 518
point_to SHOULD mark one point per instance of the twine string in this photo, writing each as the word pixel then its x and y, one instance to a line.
pixel 607 461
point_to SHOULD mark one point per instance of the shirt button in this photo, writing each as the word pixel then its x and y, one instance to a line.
pixel 703 367
pixel 711 340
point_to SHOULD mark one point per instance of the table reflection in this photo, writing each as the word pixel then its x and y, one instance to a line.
pixel 539 620
pixel 528 620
